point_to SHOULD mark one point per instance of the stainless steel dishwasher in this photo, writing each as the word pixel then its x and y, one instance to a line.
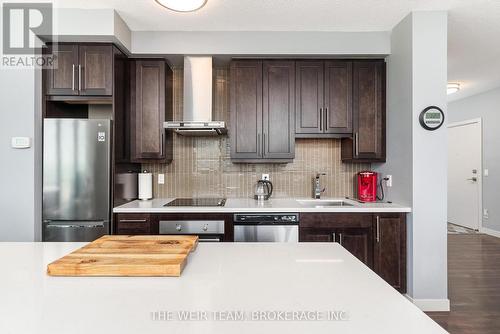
pixel 266 227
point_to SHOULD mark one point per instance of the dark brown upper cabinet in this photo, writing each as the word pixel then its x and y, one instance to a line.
pixel 323 99
pixel 368 141
pixel 81 69
pixel 95 70
pixel 278 109
pixel 262 111
pixel 151 105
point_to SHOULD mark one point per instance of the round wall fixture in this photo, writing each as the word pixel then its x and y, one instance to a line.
pixel 431 118
pixel 182 5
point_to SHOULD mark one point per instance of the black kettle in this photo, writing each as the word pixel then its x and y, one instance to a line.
pixel 263 190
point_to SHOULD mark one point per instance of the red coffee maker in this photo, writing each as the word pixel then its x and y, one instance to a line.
pixel 367 186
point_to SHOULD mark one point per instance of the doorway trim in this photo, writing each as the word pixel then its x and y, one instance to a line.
pixel 480 178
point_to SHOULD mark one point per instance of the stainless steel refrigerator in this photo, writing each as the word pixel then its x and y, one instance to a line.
pixel 76 179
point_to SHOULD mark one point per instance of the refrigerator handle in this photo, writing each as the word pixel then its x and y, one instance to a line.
pixel 97 224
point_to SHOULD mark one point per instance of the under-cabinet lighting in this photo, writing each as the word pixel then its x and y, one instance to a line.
pixel 452 88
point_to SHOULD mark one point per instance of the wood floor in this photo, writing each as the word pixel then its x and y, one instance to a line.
pixel 473 285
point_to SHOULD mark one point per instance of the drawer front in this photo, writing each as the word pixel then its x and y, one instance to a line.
pixel 133 224
pixel 335 220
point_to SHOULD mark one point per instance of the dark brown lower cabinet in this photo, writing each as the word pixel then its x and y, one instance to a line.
pixel 379 241
pixel 132 224
pixel 390 249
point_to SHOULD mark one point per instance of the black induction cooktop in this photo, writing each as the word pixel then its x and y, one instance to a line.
pixel 197 202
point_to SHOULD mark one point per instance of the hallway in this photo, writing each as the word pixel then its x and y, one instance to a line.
pixel 473 285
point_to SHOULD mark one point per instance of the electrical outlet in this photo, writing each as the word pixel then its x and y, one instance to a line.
pixel 485 213
pixel 388 182
pixel 161 178
pixel 265 177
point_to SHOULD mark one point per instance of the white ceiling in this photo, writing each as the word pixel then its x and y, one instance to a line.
pixel 473 41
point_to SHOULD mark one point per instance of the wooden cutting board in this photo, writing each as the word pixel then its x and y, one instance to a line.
pixel 127 255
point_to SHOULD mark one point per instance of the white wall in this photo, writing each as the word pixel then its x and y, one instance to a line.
pixel 487 107
pixel 418 158
pixel 261 42
pixel 19 177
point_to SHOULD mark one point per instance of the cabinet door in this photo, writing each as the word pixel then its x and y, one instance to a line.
pixel 369 110
pixel 338 97
pixel 62 78
pixel 95 70
pixel 246 109
pixel 278 134
pixel 358 241
pixel 309 97
pixel 148 110
pixel 390 249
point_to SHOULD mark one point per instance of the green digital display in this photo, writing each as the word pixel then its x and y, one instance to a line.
pixel 433 115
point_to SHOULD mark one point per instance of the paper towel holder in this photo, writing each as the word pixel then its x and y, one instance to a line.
pixel 145 185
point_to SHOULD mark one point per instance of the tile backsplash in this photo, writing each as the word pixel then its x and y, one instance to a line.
pixel 202 166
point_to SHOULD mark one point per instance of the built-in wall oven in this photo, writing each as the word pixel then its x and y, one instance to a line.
pixel 206 230
pixel 266 227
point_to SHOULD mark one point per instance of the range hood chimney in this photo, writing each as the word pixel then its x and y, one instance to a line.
pixel 197 112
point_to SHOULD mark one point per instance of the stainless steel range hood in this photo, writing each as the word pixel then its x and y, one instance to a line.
pixel 197 112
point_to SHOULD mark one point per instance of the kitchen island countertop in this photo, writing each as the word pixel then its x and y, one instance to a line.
pixel 258 280
pixel 250 205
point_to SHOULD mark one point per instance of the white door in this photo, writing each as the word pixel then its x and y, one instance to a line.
pixel 464 173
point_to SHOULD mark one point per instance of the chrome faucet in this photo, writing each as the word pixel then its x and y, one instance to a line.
pixel 317 187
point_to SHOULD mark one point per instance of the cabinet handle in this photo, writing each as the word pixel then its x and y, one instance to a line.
pixel 162 143
pixel 320 119
pixel 326 119
pixel 258 145
pixel 79 77
pixel 264 144
pixel 340 238
pixel 132 221
pixel 73 77
pixel 378 229
pixel 356 144
pixel 334 236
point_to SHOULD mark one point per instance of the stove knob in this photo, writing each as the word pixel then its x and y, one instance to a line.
pixel 178 227
pixel 205 227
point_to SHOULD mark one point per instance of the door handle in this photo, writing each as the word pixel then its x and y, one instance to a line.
pixel 264 144
pixel 73 77
pixel 340 238
pixel 326 119
pixel 356 144
pixel 378 229
pixel 258 145
pixel 334 236
pixel 320 119
pixel 79 77
pixel 473 179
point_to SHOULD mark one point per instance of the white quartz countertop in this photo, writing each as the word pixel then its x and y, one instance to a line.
pixel 230 277
pixel 250 205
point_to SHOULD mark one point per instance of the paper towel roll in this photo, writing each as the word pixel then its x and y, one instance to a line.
pixel 145 186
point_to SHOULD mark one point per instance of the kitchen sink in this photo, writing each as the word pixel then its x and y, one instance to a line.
pixel 323 203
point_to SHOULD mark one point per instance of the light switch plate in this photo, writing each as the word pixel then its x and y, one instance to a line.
pixel 161 178
pixel 486 172
pixel 21 142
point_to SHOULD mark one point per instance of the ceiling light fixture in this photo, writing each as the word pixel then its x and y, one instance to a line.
pixel 182 5
pixel 452 88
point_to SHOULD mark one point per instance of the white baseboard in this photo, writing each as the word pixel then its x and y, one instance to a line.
pixel 489 231
pixel 431 305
